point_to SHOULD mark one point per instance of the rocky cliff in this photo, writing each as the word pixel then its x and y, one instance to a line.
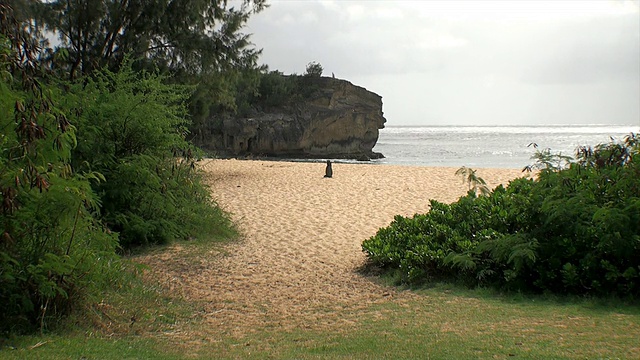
pixel 335 120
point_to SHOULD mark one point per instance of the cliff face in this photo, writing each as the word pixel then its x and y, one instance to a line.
pixel 338 120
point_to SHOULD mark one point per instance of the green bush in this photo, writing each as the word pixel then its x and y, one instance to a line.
pixel 53 251
pixel 131 128
pixel 275 90
pixel 314 69
pixel 271 90
pixel 86 167
pixel 100 165
pixel 574 229
pixel 591 220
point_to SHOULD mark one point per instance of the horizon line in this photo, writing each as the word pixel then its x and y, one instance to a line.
pixel 510 125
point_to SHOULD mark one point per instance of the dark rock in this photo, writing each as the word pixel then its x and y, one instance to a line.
pixel 363 157
pixel 338 120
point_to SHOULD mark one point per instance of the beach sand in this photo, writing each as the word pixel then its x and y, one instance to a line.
pixel 298 263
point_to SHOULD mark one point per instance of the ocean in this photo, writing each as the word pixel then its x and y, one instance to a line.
pixel 487 146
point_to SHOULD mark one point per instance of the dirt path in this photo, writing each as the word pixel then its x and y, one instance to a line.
pixel 297 264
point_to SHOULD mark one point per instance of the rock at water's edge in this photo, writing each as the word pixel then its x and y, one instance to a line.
pixel 339 120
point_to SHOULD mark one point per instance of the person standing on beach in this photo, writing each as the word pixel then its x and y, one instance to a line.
pixel 328 172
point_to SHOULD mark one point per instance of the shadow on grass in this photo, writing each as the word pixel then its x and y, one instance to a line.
pixel 394 278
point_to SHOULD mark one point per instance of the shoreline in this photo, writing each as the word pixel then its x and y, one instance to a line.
pixel 372 162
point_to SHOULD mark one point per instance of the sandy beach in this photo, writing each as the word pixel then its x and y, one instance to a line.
pixel 298 262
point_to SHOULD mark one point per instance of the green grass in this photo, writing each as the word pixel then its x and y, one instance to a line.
pixel 447 322
pixel 440 322
pixel 122 323
pixel 443 322
pixel 78 346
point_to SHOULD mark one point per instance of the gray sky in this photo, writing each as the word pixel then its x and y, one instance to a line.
pixel 468 62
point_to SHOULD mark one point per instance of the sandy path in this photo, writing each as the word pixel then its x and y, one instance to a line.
pixel 298 260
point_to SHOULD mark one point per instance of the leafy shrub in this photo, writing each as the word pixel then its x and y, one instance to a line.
pixel 313 69
pixel 132 128
pixel 473 181
pixel 419 245
pixel 591 220
pixel 53 252
pixel 275 89
pixel 574 229
pixel 81 162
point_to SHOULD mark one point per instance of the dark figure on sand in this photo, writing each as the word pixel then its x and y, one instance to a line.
pixel 328 172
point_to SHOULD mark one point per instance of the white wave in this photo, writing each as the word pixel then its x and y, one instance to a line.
pixel 555 129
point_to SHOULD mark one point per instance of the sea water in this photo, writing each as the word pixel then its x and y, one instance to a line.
pixel 488 146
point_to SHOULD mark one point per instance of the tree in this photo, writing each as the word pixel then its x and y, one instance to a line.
pixel 53 250
pixel 198 42
pixel 314 69
pixel 86 166
pixel 183 36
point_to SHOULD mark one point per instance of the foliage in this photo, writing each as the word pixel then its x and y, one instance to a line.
pixel 475 183
pixel 196 42
pixel 313 69
pixel 545 160
pixel 186 36
pixel 571 230
pixel 132 129
pixel 272 90
pixel 276 89
pixel 53 252
pixel 86 166
pixel 245 93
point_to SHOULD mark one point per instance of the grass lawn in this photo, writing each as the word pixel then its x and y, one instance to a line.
pixel 441 322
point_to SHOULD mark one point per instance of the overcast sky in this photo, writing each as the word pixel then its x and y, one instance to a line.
pixel 468 62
